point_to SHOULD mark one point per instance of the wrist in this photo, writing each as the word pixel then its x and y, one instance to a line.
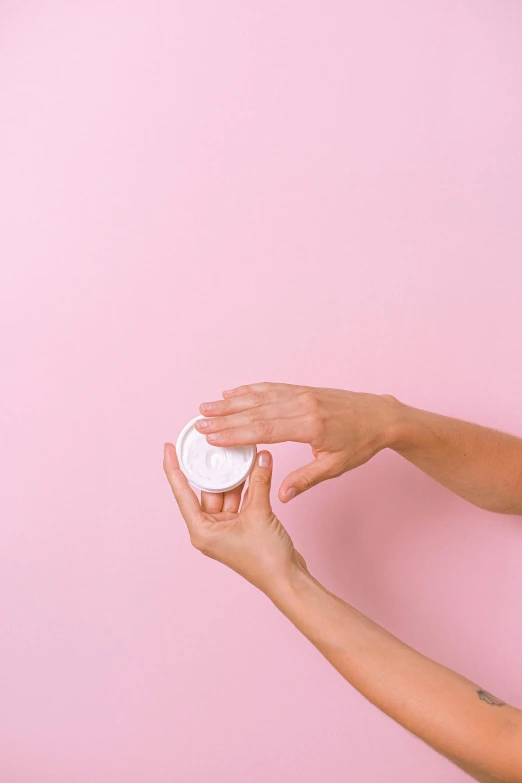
pixel 296 581
pixel 397 428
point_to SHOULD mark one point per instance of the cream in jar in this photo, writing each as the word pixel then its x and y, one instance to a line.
pixel 212 468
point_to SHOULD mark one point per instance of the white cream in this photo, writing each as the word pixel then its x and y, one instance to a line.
pixel 212 468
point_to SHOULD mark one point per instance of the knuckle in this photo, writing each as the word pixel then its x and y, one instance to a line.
pixel 262 430
pixel 258 397
pixel 337 471
pixel 308 482
pixel 260 479
pixel 252 415
pixel 311 401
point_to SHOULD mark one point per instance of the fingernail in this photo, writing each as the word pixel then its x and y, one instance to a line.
pixel 208 406
pixel 213 437
pixel 229 391
pixel 290 493
pixel 202 424
pixel 264 460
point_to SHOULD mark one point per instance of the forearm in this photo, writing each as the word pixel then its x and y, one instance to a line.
pixel 433 702
pixel 481 465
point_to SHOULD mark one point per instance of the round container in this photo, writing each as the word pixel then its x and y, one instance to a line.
pixel 212 468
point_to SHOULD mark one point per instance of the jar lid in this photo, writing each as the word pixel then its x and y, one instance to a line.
pixel 212 468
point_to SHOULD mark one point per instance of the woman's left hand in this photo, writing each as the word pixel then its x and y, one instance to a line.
pixel 247 536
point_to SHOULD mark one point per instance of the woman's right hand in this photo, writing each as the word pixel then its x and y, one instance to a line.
pixel 345 429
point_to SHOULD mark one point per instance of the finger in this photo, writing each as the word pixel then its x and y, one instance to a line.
pixel 233 499
pixel 185 496
pixel 271 412
pixel 212 502
pixel 306 477
pixel 244 402
pixel 253 387
pixel 260 481
pixel 299 429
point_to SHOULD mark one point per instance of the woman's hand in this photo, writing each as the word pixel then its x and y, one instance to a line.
pixel 250 540
pixel 345 429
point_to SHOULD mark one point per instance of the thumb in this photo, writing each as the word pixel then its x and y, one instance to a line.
pixel 260 481
pixel 305 478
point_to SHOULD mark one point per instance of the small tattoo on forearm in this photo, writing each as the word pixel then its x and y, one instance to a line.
pixel 490 699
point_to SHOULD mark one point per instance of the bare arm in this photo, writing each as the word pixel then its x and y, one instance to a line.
pixel 460 720
pixel 345 429
pixel 481 465
pixel 456 717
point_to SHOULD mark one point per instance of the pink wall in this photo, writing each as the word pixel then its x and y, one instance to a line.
pixel 196 195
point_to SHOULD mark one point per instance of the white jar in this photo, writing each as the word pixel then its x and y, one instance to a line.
pixel 212 468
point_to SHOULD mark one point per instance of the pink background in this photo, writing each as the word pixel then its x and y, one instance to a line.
pixel 200 194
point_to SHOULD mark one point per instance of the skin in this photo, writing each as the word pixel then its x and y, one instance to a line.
pixel 472 728
pixel 476 731
pixel 345 429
